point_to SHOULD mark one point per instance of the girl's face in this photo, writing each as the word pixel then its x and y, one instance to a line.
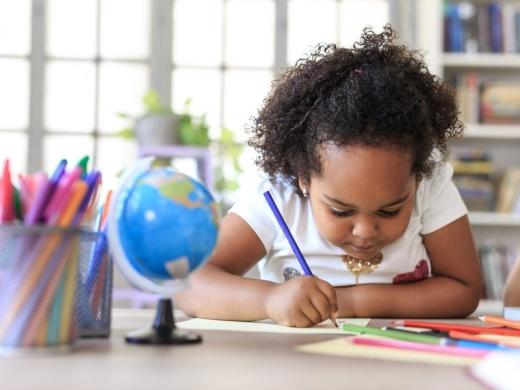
pixel 363 199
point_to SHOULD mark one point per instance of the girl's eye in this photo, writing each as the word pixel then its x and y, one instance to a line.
pixel 392 213
pixel 341 213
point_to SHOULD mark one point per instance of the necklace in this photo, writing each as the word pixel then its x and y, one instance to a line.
pixel 362 266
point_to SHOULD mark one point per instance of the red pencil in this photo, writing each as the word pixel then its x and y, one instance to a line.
pixel 6 192
pixel 446 327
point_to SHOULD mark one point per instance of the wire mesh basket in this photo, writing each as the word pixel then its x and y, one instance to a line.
pixel 55 285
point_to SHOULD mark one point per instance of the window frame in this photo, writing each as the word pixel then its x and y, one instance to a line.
pixel 159 62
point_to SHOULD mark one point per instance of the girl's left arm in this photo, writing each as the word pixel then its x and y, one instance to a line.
pixel 452 291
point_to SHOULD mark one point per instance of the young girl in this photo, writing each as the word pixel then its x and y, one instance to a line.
pixel 353 142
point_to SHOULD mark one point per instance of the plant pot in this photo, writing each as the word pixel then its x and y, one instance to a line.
pixel 156 130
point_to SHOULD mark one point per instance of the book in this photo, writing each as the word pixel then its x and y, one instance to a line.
pixel 500 102
pixel 509 191
pixel 495 262
pixel 473 175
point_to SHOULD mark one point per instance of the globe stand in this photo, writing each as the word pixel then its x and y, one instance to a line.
pixel 163 330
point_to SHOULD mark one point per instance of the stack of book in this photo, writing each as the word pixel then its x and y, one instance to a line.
pixel 473 176
pixel 492 26
pixel 496 261
pixel 489 99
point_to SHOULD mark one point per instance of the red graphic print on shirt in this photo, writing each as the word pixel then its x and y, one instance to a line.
pixel 420 272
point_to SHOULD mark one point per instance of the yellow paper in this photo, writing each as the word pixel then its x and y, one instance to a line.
pixel 268 326
pixel 343 347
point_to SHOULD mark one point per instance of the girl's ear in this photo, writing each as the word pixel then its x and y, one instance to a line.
pixel 304 186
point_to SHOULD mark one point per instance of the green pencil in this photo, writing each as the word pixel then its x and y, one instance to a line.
pixel 83 164
pixel 391 334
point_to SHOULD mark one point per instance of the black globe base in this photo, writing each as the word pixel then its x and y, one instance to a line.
pixel 163 331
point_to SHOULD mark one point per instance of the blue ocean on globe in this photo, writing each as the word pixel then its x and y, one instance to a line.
pixel 168 224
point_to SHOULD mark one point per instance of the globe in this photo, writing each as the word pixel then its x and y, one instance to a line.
pixel 163 224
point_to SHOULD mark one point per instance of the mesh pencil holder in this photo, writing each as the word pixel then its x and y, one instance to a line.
pixel 38 277
pixel 94 293
pixel 45 286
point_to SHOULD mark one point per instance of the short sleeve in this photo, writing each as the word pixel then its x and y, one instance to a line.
pixel 253 208
pixel 439 200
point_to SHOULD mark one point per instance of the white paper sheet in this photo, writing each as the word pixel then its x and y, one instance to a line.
pixel 499 370
pixel 267 326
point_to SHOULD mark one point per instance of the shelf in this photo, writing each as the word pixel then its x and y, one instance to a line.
pixel 484 218
pixel 492 131
pixel 481 60
pixel 202 156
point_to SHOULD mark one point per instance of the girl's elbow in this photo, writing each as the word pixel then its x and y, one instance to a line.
pixel 470 300
pixel 185 301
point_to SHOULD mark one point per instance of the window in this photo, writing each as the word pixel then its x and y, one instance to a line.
pixel 85 61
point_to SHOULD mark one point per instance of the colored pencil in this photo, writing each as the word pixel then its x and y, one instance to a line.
pixel 392 334
pixel 60 196
pixel 290 238
pixel 45 300
pixel 67 311
pixel 500 321
pixel 42 258
pixel 398 344
pixel 482 339
pixel 7 212
pixel 53 335
pixel 446 327
pixel 417 338
pixel 287 233
pixel 44 192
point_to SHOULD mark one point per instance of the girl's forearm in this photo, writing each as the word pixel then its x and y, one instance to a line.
pixel 435 297
pixel 214 293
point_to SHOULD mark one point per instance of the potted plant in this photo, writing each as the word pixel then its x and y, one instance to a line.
pixel 160 125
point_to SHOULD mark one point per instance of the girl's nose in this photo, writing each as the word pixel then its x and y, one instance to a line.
pixel 364 228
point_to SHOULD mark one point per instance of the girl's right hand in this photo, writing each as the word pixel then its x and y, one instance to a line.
pixel 302 302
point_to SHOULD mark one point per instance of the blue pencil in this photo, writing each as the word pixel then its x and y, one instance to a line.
pixel 288 235
pixel 290 238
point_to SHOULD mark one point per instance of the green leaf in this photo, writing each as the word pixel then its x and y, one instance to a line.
pixel 153 105
pixel 124 115
pixel 127 133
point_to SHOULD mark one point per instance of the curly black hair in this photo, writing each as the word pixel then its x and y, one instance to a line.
pixel 377 93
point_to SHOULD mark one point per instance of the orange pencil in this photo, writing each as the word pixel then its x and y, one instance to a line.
pixel 449 326
pixel 78 192
pixel 45 300
pixel 106 206
pixel 500 321
pixel 500 340
pixel 68 299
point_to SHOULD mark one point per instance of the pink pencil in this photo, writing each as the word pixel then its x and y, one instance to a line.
pixel 397 344
pixel 60 196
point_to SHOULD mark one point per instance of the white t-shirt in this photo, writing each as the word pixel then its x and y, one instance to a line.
pixel 437 203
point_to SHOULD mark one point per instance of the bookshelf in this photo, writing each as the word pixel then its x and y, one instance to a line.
pixel 492 132
pixel 486 62
pixel 483 218
pixel 481 60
